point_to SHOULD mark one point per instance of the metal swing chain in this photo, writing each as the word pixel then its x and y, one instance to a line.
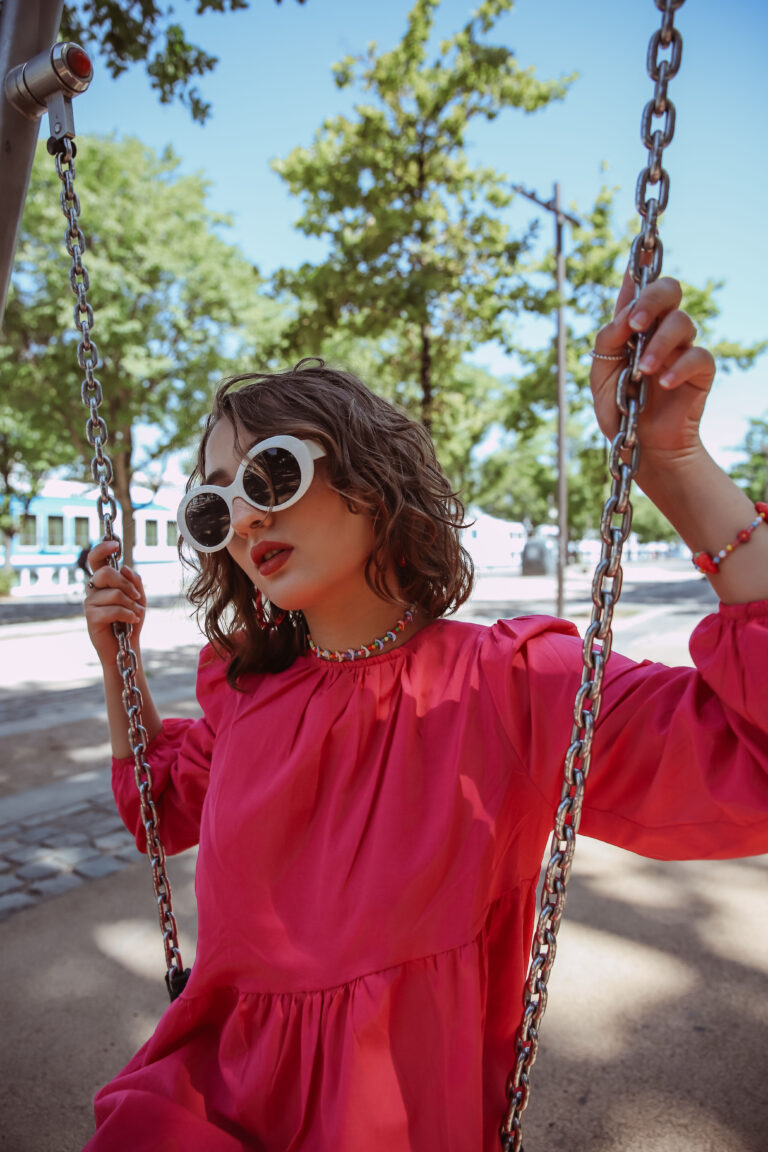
pixel 101 469
pixel 631 396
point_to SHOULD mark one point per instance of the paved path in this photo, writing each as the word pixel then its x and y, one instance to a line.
pixel 75 836
pixel 64 830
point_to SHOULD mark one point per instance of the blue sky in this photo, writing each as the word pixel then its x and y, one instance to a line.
pixel 273 87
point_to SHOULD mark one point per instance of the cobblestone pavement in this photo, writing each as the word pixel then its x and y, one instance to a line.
pixel 50 853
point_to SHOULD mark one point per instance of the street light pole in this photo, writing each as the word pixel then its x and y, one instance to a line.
pixel 562 412
pixel 553 206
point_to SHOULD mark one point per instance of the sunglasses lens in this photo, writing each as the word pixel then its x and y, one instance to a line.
pixel 272 477
pixel 207 519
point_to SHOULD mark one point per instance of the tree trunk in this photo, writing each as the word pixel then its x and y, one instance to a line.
pixel 7 566
pixel 425 375
pixel 121 465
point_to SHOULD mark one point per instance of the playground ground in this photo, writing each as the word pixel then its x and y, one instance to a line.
pixel 655 1035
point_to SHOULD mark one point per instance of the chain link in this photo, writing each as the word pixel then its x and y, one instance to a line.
pixel 101 468
pixel 631 397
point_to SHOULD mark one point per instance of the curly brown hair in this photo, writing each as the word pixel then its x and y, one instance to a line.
pixel 380 461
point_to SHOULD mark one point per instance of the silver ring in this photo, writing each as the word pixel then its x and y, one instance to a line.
pixel 90 585
pixel 601 356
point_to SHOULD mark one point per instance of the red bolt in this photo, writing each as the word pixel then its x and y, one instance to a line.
pixel 79 61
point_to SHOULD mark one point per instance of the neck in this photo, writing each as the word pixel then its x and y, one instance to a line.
pixel 358 624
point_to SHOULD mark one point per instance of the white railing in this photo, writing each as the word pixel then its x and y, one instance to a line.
pixel 57 578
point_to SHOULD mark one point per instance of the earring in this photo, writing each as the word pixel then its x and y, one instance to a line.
pixel 261 618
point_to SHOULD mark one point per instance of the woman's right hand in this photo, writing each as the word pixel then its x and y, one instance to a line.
pixel 112 595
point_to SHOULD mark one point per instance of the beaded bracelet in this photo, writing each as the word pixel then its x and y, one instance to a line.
pixel 709 562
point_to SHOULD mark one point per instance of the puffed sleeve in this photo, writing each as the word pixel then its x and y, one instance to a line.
pixel 179 758
pixel 680 755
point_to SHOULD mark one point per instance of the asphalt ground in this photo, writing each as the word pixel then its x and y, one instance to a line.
pixel 655 1035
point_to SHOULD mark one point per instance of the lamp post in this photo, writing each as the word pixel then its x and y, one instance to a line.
pixel 553 206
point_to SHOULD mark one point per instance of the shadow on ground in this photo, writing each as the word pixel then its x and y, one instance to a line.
pixel 654 1039
pixel 655 1036
pixel 53 733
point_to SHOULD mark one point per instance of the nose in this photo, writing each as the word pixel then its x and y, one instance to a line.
pixel 245 517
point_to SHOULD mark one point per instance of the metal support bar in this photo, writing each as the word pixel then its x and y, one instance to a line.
pixel 27 27
pixel 562 412
pixel 555 208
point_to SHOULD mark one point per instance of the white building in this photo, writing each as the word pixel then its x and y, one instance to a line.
pixel 493 543
pixel 63 519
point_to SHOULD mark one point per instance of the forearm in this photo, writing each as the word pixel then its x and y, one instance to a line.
pixel 116 714
pixel 708 510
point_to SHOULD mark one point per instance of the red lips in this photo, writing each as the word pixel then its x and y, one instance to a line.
pixel 277 552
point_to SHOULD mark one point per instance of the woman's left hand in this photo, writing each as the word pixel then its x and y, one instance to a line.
pixel 679 374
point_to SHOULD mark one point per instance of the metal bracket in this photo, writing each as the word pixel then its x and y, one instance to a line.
pixel 48 82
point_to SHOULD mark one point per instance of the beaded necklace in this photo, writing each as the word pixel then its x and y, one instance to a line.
pixel 367 650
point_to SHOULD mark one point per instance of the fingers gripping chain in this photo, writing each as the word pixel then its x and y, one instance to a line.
pixel 606 584
pixel 96 431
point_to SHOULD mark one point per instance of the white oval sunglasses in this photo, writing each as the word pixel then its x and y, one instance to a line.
pixel 274 474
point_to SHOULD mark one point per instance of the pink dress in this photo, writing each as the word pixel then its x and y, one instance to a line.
pixel 370 838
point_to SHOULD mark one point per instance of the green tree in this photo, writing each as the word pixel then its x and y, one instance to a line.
pixel 595 265
pixel 418 258
pixel 176 306
pixel 127 32
pixel 648 523
pixel 752 473
pixel 518 481
pixel 588 479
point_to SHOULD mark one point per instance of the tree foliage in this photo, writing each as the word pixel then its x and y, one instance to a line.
pixel 594 268
pixel 131 31
pixel 597 254
pixel 176 306
pixel 752 473
pixel 418 257
pixel 648 524
pixel 517 482
pixel 422 267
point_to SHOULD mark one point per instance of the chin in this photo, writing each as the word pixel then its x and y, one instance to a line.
pixel 289 601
